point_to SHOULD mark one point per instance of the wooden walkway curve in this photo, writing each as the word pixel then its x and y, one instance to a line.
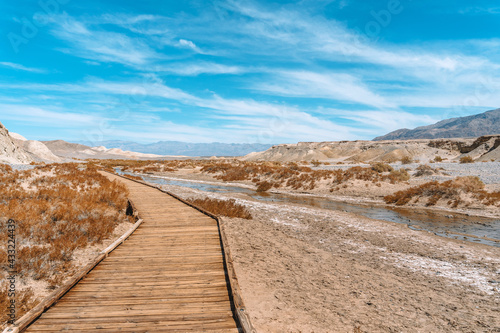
pixel 169 276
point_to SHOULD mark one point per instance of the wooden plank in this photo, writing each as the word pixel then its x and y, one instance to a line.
pixel 222 325
pixel 136 318
pixel 184 301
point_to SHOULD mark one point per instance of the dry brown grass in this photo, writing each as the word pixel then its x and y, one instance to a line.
pixel 294 176
pixel 133 177
pixel 267 175
pixel 5 168
pixel 227 208
pixel 25 301
pixel 425 170
pixel 453 191
pixel 466 159
pixel 264 186
pixel 381 167
pixel 406 160
pixel 58 209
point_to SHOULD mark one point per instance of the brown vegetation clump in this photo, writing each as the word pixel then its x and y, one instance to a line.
pixel 406 160
pixel 146 166
pixel 264 186
pixel 267 175
pixel 425 170
pixel 398 176
pixel 316 163
pixel 438 159
pixel 133 177
pixel 452 190
pixel 381 167
pixel 5 168
pixel 466 159
pixel 227 208
pixel 25 301
pixel 57 209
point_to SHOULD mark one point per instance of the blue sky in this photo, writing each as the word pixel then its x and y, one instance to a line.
pixel 243 71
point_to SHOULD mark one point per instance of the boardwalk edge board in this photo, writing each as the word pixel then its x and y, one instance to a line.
pixel 28 318
pixel 240 311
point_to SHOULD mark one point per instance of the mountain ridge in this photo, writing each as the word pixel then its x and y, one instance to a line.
pixel 179 148
pixel 486 123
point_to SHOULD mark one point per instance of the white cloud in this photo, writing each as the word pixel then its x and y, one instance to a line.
pixel 320 38
pixel 385 120
pixel 197 68
pixel 259 122
pixel 21 67
pixel 336 86
pixel 37 115
pixel 101 45
pixel 189 45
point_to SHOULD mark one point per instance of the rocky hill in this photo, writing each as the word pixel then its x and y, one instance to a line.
pixel 485 148
pixel 487 123
pixel 69 150
pixel 37 150
pixel 10 152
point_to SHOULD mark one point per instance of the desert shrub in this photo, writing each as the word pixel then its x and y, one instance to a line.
pixel 451 190
pixel 381 167
pixel 58 209
pixel 25 301
pixel 466 159
pixel 293 175
pixel 406 160
pixel 264 186
pixel 425 170
pixel 438 159
pixel 5 168
pixel 316 163
pixel 133 177
pixel 397 176
pixel 227 208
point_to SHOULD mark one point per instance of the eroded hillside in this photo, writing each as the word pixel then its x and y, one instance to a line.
pixel 485 148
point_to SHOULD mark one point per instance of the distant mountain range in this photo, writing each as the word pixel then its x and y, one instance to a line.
pixel 487 123
pixel 183 148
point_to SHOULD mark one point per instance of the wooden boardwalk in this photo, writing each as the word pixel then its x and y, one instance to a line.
pixel 169 276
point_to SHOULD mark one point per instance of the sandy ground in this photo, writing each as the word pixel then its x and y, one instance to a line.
pixel 304 269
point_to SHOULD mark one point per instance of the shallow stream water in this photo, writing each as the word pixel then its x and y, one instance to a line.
pixel 446 224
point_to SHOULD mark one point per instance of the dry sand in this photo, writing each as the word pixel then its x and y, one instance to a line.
pixel 304 269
